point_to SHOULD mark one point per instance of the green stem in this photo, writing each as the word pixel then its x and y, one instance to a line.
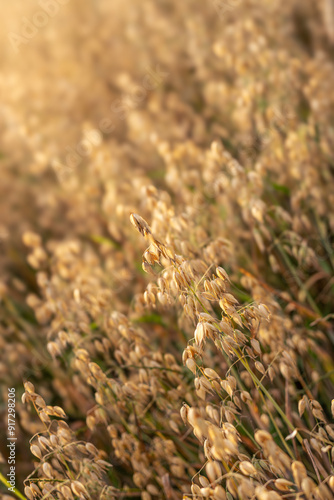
pixel 8 485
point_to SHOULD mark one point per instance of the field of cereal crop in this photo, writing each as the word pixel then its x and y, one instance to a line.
pixel 167 250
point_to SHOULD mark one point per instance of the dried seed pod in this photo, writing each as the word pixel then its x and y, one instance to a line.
pixel 44 442
pixel 66 491
pixel 215 470
pixel 222 273
pixel 140 224
pixel 259 366
pixel 331 483
pixel 299 472
pixel 232 487
pixel 59 412
pixel 29 387
pixel 271 373
pixel 39 401
pixel 246 397
pixel 53 349
pixel 211 374
pixel 283 484
pixel 195 489
pixel 191 365
pixel 54 440
pixel 263 311
pixel 302 405
pixel 205 492
pixel 184 413
pixel 226 386
pixel 204 481
pixel 147 268
pixel 263 494
pixel 35 450
pixel 47 469
pixel 329 431
pixel 91 449
pixel 199 335
pixel 28 493
pixel 152 489
pixel 256 346
pixel 79 489
pixel 308 486
pixel 316 445
pixel 173 425
pixel 219 493
pixel 31 239
pixel 292 435
pixel 262 437
pixel 319 415
pixel 44 417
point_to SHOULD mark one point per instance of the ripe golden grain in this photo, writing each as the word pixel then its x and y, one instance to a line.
pixel 222 138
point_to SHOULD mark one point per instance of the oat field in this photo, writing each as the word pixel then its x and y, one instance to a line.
pixel 167 250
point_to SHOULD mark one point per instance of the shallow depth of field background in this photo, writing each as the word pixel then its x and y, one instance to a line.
pixel 166 248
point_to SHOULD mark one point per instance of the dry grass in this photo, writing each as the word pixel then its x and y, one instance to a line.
pixel 194 359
